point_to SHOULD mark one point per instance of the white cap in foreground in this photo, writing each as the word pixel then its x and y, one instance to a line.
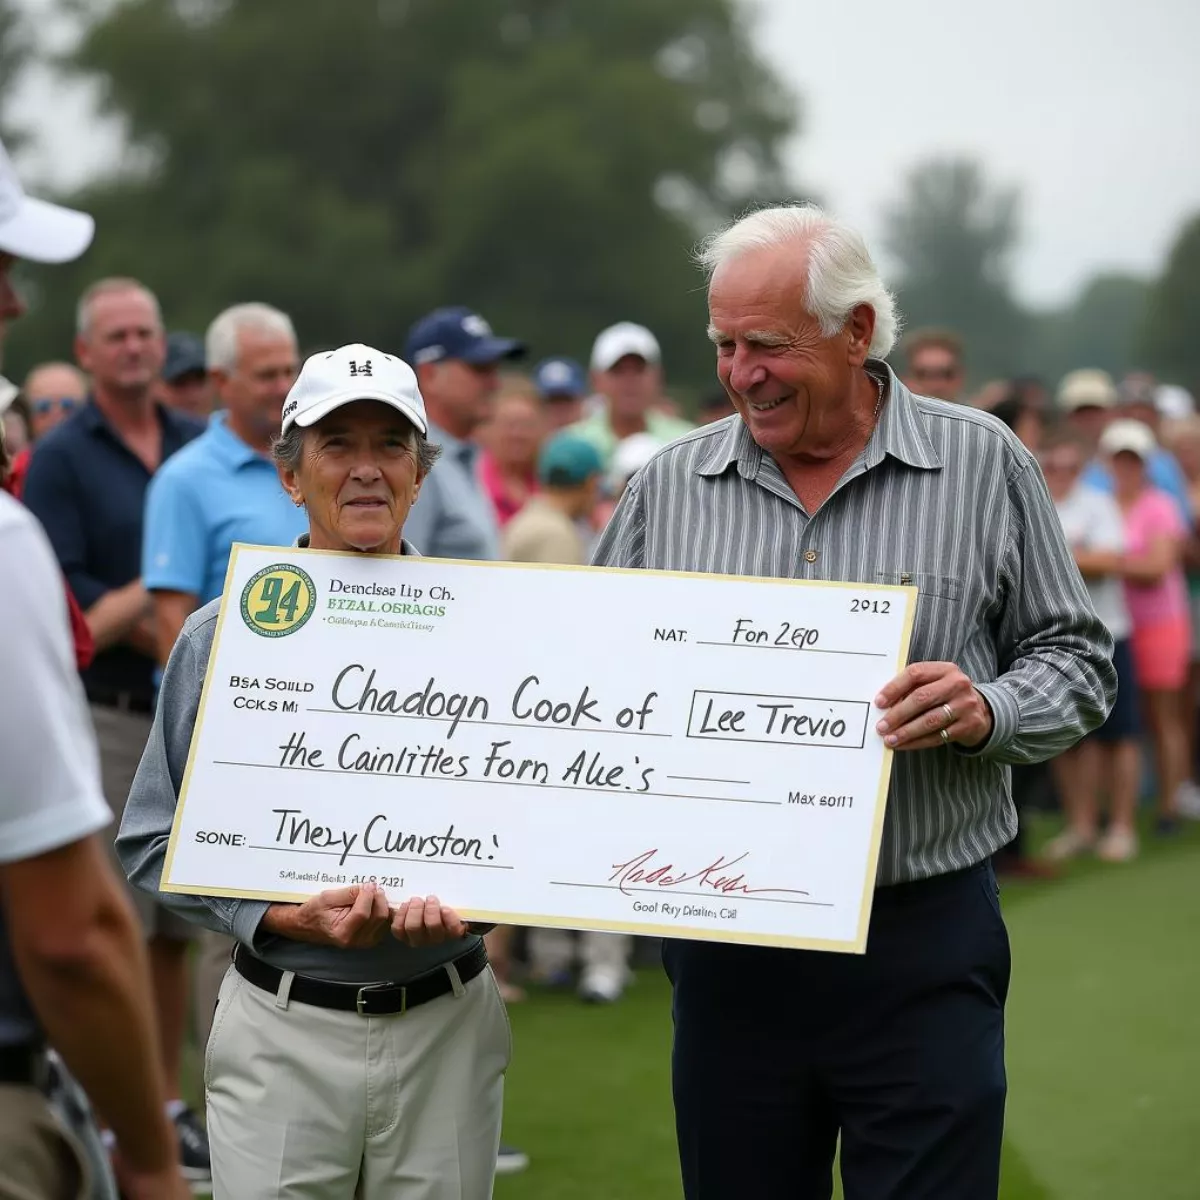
pixel 35 229
pixel 355 372
pixel 1130 436
pixel 621 339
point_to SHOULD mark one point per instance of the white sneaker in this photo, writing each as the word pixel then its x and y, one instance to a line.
pixel 601 986
pixel 1117 846
pixel 1069 844
pixel 1187 800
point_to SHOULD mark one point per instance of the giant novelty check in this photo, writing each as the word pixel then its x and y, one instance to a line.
pixel 681 755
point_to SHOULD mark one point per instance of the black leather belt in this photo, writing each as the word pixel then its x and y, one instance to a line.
pixel 370 1000
pixel 24 1063
pixel 121 701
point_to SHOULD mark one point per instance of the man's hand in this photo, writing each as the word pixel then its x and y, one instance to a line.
pixel 426 922
pixel 349 917
pixel 928 700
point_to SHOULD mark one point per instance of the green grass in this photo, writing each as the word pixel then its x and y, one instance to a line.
pixel 1103 1053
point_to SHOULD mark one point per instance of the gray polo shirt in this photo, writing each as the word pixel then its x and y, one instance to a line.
pixel 453 517
pixel 945 498
pixel 150 813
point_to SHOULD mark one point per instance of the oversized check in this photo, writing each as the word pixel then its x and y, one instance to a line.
pixel 683 755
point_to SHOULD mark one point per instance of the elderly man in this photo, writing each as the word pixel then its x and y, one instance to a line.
pixel 314 1091
pixel 832 469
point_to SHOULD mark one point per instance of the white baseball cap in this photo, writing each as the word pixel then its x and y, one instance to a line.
pixel 35 229
pixel 1130 436
pixel 621 339
pixel 1086 388
pixel 355 372
pixel 1173 402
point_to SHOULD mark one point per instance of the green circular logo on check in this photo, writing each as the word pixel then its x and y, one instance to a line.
pixel 278 600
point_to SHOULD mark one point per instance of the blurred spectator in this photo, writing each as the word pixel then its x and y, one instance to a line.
pixel 1110 758
pixel 714 406
pixel 457 360
pixel 1024 420
pixel 16 419
pixel 1156 594
pixel 1182 437
pixel 510 441
pixel 934 359
pixel 53 392
pixel 1088 392
pixel 185 384
pixel 1032 390
pixel 627 374
pixel 631 455
pixel 992 394
pixel 563 386
pixel 87 484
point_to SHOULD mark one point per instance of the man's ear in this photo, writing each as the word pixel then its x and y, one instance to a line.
pixel 860 329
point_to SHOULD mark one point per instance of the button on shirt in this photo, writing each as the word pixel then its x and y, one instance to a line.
pixel 88 489
pixel 453 517
pixel 945 498
pixel 214 492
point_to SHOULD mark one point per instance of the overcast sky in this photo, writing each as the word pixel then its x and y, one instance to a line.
pixel 1092 107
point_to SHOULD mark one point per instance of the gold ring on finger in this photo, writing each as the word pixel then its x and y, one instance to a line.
pixel 949 714
pixel 945 737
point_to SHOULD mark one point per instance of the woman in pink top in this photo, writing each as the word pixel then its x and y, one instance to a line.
pixel 511 440
pixel 1156 592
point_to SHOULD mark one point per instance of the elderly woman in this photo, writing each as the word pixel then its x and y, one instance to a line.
pixel 309 1095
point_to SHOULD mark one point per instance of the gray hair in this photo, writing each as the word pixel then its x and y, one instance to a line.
pixel 841 274
pixel 288 449
pixel 221 341
pixel 109 287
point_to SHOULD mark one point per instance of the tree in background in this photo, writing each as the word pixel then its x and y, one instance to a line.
pixel 952 236
pixel 1170 334
pixel 547 162
pixel 15 51
pixel 1099 328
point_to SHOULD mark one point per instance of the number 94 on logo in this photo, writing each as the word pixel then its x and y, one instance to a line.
pixel 278 600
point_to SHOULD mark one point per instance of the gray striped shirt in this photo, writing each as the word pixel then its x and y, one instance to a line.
pixel 945 498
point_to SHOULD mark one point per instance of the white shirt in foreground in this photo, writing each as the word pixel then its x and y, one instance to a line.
pixel 51 793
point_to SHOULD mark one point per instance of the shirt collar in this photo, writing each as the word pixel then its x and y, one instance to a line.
pixel 175 427
pixel 229 446
pixel 900 433
pixel 453 447
pixel 301 543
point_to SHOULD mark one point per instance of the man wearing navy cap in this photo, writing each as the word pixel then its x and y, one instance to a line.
pixel 457 359
pixel 185 384
pixel 563 386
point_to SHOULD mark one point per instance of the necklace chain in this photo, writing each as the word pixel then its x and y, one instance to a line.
pixel 879 399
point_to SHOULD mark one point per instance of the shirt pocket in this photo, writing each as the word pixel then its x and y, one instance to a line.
pixel 939 634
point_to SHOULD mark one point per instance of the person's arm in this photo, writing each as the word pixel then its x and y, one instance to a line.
pixel 624 539
pixel 82 962
pixel 1161 557
pixel 171 610
pixel 122 614
pixel 1099 564
pixel 78 952
pixel 174 552
pixel 1055 680
pixel 1103 555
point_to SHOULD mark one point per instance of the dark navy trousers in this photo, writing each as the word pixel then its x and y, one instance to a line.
pixel 900 1051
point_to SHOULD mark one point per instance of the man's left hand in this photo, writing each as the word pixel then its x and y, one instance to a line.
pixel 932 704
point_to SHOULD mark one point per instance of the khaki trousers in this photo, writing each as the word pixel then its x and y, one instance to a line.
pixel 39 1159
pixel 307 1103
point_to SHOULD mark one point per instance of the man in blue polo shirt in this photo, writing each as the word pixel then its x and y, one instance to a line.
pixel 221 489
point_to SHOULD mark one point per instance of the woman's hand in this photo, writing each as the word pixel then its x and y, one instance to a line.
pixel 426 922
pixel 350 917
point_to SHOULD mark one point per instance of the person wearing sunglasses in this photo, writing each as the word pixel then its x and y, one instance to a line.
pixel 935 364
pixel 53 391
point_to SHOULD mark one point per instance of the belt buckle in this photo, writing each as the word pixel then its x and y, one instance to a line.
pixel 360 1000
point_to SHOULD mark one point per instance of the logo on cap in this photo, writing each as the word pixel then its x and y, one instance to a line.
pixel 476 326
pixel 278 600
pixel 360 368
